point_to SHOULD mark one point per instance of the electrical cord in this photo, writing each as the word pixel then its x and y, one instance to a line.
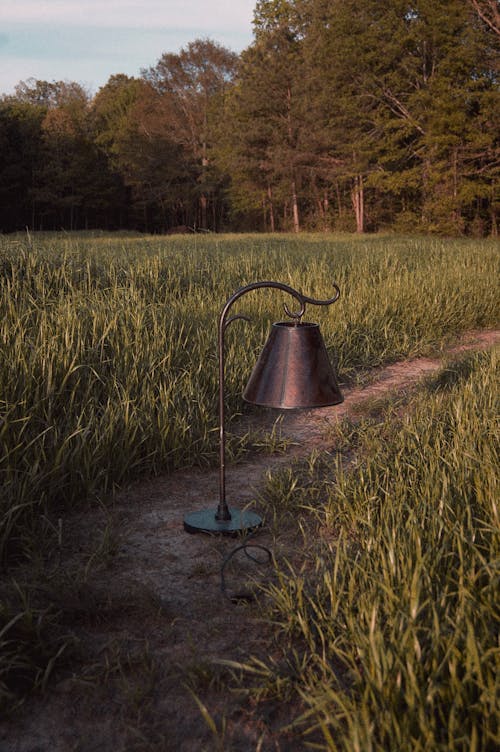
pixel 245 595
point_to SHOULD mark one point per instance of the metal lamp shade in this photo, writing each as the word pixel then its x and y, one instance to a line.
pixel 293 370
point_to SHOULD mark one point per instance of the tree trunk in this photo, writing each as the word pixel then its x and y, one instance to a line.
pixel 326 206
pixel 203 197
pixel 457 215
pixel 295 208
pixel 494 218
pixel 271 208
pixel 295 205
pixel 203 211
pixel 358 203
pixel 340 207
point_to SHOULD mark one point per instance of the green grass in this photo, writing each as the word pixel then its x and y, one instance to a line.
pixel 108 369
pixel 389 630
pixel 31 643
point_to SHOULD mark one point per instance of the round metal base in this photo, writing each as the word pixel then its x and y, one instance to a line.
pixel 204 522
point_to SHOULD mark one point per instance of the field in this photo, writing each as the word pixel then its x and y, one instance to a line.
pixel 108 375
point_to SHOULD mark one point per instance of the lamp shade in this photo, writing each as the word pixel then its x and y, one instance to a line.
pixel 293 370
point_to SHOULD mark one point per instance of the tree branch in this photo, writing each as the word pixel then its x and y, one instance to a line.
pixel 487 10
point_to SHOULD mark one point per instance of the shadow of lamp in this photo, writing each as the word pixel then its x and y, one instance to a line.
pixel 293 371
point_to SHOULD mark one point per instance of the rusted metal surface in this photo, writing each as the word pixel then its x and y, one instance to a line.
pixel 293 370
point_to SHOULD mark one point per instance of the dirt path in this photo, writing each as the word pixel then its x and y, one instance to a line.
pixel 150 614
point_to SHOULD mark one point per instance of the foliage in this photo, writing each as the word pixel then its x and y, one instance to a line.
pixel 340 115
pixel 379 106
pixel 190 90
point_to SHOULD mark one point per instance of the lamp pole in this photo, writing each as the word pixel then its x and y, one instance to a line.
pixel 225 520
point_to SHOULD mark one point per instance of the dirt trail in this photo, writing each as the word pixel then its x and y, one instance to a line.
pixel 158 616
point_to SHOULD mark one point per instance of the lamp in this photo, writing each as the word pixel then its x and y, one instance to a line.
pixel 293 371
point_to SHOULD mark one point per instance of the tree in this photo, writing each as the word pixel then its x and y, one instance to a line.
pixel 489 12
pixel 53 172
pixel 51 94
pixel 190 88
pixel 269 138
pixel 76 187
pixel 340 114
pixel 20 162
pixel 403 104
pixel 118 134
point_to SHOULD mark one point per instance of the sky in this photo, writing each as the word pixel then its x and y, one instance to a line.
pixel 89 40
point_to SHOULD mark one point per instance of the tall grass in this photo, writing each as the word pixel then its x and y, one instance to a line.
pixel 391 628
pixel 108 344
pixel 108 372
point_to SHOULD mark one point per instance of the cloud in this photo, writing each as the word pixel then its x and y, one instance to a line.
pixel 90 55
pixel 13 71
pixel 207 14
pixel 89 40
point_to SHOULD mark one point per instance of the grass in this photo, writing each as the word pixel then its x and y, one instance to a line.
pixel 31 644
pixel 108 369
pixel 108 344
pixel 390 626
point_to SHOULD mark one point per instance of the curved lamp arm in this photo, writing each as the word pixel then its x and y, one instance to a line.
pixel 223 512
pixel 302 299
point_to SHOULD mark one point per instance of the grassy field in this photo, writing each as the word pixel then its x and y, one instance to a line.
pixel 108 373
pixel 389 630
pixel 108 368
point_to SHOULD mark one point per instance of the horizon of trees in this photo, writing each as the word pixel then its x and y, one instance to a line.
pixel 340 115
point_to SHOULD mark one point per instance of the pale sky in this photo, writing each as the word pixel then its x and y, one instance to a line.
pixel 89 40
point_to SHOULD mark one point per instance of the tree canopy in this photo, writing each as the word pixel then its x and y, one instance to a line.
pixel 340 115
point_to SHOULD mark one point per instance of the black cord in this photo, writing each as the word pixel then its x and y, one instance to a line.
pixel 245 595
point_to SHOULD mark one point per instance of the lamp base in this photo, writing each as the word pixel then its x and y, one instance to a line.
pixel 204 522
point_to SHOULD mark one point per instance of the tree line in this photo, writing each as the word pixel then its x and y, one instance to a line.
pixel 341 115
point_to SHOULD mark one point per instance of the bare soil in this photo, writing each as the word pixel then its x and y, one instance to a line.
pixel 144 599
